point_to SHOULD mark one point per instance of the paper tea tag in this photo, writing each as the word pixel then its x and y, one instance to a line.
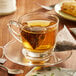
pixel 65 36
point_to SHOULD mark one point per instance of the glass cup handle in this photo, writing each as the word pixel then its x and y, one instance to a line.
pixel 12 31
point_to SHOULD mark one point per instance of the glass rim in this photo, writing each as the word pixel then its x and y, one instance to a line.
pixel 54 16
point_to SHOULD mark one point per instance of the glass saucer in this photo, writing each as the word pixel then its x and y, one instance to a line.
pixel 13 51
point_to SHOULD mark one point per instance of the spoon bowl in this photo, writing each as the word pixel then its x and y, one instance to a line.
pixel 13 71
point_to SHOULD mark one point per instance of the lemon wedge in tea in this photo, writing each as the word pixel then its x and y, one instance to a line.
pixel 38 22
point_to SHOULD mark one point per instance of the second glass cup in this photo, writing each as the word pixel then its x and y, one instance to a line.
pixel 37 33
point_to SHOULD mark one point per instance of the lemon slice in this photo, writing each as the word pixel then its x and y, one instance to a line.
pixel 38 23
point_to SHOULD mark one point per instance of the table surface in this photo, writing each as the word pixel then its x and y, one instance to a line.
pixel 26 6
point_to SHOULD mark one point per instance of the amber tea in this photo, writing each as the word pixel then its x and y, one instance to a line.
pixel 37 37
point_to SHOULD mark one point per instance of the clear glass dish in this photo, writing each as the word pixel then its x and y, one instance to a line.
pixel 13 51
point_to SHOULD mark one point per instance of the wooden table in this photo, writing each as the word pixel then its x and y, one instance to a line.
pixel 23 7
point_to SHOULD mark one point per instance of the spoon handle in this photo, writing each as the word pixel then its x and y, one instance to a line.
pixel 46 7
pixel 3 66
pixel 52 5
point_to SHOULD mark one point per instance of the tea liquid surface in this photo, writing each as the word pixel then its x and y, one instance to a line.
pixel 38 35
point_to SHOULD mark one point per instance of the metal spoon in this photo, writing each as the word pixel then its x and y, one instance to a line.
pixel 46 7
pixel 13 71
pixel 10 71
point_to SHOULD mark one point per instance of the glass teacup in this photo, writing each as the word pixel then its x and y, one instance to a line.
pixel 37 33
